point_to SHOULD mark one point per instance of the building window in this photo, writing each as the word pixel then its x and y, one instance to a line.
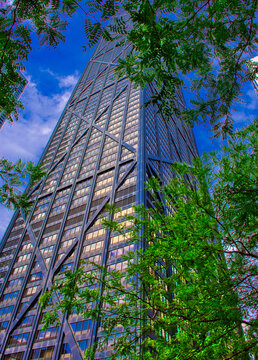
pixel 3 325
pixel 93 247
pixel 24 257
pixel 15 282
pixel 65 349
pixel 46 250
pixel 94 259
pixel 66 267
pixel 67 243
pixel 50 333
pixel 119 252
pixel 27 321
pixel 72 230
pixel 6 310
pixel 21 339
pixel 49 239
pixel 10 296
pixel 31 290
pixel 36 276
pixel 81 326
pixel 14 356
pixel 83 344
pixel 27 246
pixel 20 269
pixel 43 353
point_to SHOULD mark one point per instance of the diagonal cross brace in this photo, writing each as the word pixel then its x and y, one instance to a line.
pixel 67 328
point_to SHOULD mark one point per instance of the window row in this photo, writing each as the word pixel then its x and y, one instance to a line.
pixel 18 339
pixel 81 326
pixel 3 325
pixel 69 175
pixel 47 249
pixel 10 296
pixel 20 269
pixel 49 189
pixel 93 247
pixel 36 276
pixel 47 334
pixel 105 182
pixel 58 208
pixel 94 259
pixel 15 282
pixel 66 267
pixel 121 266
pixel 73 230
pixel 63 197
pixel 43 353
pixel 27 321
pixel 27 247
pixel 103 191
pixel 80 200
pixel 48 239
pixel 74 161
pixel 66 243
pixel 6 310
pixel 95 234
pixel 39 216
pixel 76 153
pixel 121 251
pixel 31 290
pixel 117 239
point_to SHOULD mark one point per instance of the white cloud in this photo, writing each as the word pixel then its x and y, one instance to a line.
pixel 27 137
pixel 64 81
pixel 67 81
pixel 241 118
pixel 252 104
pixel 246 111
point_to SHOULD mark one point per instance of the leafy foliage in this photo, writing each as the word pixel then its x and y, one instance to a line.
pixel 188 294
pixel 18 22
pixel 204 44
pixel 13 178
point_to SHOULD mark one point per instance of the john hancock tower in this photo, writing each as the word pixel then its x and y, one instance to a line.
pixel 103 149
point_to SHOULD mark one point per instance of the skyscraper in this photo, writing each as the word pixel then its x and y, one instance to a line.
pixel 17 95
pixel 103 149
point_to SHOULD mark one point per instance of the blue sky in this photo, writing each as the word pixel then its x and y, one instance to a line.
pixel 52 75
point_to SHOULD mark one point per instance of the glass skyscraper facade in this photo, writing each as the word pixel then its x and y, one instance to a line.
pixel 103 149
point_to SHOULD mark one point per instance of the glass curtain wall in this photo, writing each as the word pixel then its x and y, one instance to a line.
pixel 103 149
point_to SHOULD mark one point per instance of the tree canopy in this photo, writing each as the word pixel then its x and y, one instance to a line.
pixel 200 44
pixel 190 292
pixel 13 178
pixel 18 22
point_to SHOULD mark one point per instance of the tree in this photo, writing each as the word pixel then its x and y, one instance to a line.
pixel 20 20
pixel 174 42
pixel 189 293
pixel 13 178
pixel 205 43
